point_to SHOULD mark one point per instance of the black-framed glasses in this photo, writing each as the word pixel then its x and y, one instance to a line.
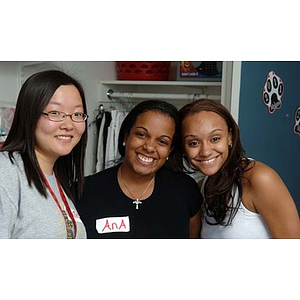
pixel 58 116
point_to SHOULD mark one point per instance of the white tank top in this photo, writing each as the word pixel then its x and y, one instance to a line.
pixel 245 225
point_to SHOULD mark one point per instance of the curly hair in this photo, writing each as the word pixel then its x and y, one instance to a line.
pixel 219 187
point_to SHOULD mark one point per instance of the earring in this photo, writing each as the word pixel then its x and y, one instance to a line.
pixel 230 146
pixel 167 158
pixel 124 144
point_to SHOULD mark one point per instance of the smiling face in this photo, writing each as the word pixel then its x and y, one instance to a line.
pixel 149 143
pixel 55 139
pixel 206 141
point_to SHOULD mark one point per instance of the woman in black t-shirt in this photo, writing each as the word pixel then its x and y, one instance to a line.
pixel 141 197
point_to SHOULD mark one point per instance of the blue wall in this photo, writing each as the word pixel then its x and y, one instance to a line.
pixel 268 137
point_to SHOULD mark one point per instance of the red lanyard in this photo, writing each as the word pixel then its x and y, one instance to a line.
pixel 64 201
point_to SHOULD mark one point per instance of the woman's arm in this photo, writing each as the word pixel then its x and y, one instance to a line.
pixel 195 225
pixel 8 215
pixel 272 200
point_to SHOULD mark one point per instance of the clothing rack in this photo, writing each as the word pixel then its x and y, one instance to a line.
pixel 161 96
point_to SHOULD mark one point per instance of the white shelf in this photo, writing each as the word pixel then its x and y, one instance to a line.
pixel 217 89
pixel 159 90
pixel 161 83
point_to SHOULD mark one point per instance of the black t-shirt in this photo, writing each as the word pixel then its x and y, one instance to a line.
pixel 108 213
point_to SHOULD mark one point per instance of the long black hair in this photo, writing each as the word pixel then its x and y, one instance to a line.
pixel 218 189
pixel 34 96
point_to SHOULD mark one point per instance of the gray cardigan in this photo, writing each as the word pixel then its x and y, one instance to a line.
pixel 24 212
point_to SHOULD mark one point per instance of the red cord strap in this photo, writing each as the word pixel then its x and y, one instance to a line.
pixel 69 224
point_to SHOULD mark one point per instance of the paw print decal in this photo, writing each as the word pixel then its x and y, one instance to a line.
pixel 273 92
pixel 297 121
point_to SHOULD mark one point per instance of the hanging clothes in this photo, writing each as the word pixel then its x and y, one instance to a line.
pixel 102 140
pixel 108 134
pixel 100 150
pixel 111 153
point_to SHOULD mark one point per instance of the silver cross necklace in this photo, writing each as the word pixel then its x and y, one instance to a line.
pixel 137 200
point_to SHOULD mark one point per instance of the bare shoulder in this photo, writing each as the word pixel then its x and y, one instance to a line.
pixel 258 173
pixel 263 186
pixel 269 196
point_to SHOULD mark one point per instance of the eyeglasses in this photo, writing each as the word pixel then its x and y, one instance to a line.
pixel 58 116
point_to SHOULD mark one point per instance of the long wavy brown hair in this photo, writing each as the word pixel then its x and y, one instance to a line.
pixel 219 187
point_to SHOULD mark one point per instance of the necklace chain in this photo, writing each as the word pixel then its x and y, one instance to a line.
pixel 137 200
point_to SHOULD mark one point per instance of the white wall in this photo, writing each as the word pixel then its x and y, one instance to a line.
pixel 9 82
pixel 235 92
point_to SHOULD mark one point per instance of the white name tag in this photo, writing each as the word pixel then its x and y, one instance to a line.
pixel 113 224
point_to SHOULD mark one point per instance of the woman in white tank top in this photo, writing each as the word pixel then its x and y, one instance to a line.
pixel 243 198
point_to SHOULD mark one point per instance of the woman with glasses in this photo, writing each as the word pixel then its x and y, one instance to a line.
pixel 41 158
